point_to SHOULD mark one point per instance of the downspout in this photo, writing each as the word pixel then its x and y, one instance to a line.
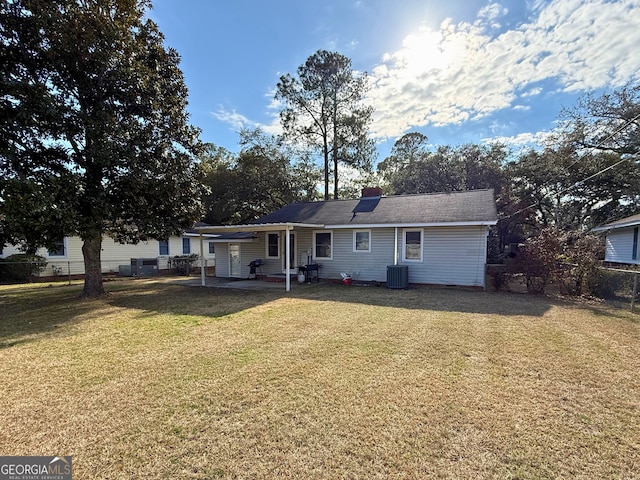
pixel 202 260
pixel 287 261
pixel 395 248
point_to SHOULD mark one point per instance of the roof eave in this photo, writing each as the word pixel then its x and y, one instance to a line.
pixel 255 227
pixel 606 228
pixel 484 223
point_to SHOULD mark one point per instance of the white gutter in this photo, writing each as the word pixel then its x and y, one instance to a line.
pixel 414 225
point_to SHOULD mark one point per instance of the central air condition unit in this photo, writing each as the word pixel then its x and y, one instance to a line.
pixel 398 276
pixel 144 267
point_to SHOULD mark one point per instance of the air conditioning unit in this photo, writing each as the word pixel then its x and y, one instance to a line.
pixel 398 276
pixel 144 267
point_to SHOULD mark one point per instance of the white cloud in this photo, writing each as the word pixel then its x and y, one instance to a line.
pixel 489 15
pixel 237 121
pixel 522 141
pixel 461 72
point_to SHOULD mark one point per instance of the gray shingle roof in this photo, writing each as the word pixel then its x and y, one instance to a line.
pixel 474 206
pixel 623 222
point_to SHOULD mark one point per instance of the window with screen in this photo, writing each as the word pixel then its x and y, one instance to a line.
pixel 323 244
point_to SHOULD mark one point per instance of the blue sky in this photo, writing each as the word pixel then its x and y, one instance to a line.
pixel 458 71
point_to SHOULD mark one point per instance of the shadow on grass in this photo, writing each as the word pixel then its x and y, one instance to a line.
pixel 440 299
pixel 29 312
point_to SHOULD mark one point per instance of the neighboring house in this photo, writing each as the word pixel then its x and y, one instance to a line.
pixel 622 240
pixel 67 257
pixel 442 238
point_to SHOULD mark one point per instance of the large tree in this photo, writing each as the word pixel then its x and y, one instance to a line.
pixel 265 176
pixel 412 168
pixel 94 134
pixel 324 109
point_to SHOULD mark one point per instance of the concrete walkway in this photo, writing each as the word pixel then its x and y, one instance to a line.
pixel 240 284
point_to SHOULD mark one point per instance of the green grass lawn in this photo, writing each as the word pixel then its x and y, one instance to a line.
pixel 166 381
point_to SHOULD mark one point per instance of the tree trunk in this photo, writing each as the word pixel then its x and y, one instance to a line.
pixel 326 171
pixel 335 175
pixel 91 250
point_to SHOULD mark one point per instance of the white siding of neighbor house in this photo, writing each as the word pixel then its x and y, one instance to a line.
pixel 113 255
pixel 450 255
pixel 619 246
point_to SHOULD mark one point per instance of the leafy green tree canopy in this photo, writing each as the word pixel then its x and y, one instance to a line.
pixel 265 176
pixel 94 137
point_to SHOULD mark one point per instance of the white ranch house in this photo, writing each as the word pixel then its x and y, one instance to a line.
pixel 441 238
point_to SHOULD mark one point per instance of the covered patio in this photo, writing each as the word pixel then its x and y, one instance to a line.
pixel 285 229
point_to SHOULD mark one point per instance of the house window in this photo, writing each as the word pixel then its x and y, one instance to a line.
pixel 212 248
pixel 362 241
pixel 412 245
pixel 59 248
pixel 186 246
pixel 163 247
pixel 323 244
pixel 634 253
pixel 273 245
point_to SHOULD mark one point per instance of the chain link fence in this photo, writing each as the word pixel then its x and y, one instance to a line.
pixel 48 270
pixel 618 285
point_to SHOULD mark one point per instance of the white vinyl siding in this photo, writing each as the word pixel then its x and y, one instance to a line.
pixel 453 256
pixel 619 247
pixel 113 255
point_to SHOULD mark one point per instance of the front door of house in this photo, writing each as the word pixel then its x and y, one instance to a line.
pixel 292 255
pixel 235 267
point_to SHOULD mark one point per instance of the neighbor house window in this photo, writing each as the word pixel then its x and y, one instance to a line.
pixel 323 244
pixel 634 253
pixel 212 248
pixel 59 248
pixel 273 245
pixel 186 246
pixel 163 247
pixel 362 241
pixel 412 245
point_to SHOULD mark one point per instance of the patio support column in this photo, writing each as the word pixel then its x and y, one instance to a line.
pixel 202 260
pixel 287 257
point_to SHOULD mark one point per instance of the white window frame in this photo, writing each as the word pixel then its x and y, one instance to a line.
pixel 330 232
pixel 66 250
pixel 168 248
pixel 404 245
pixel 355 243
pixel 182 246
pixel 266 246
pixel 214 248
